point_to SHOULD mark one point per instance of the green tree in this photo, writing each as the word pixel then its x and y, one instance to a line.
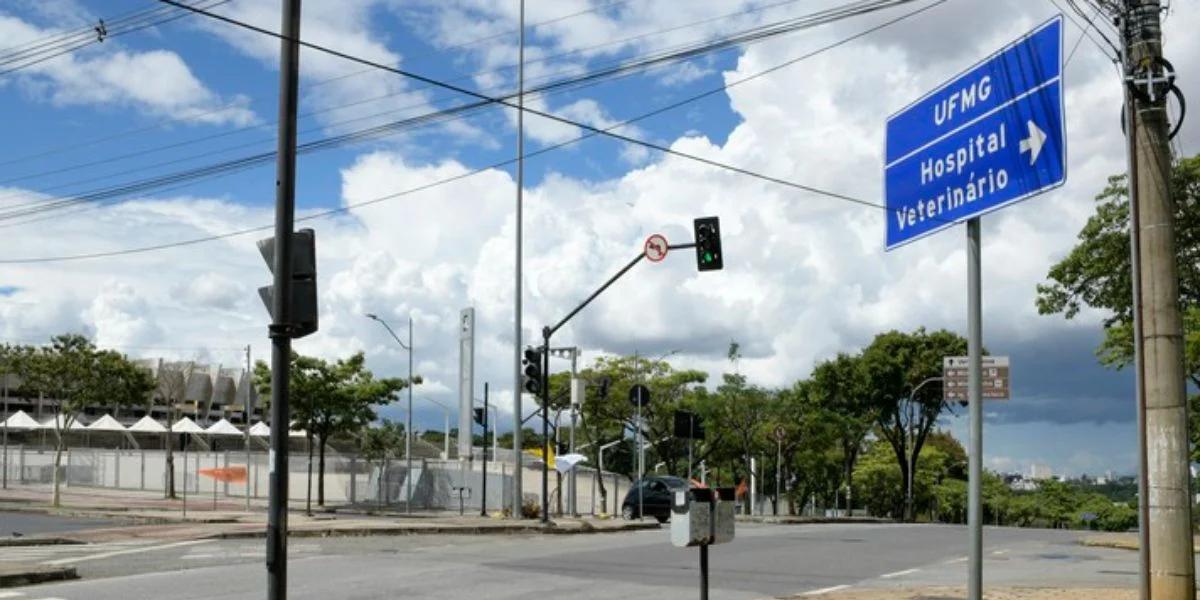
pixel 1096 273
pixel 77 375
pixel 896 363
pixel 842 387
pixel 379 445
pixel 328 399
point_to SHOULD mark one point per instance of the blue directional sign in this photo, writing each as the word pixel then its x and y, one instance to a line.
pixel 992 136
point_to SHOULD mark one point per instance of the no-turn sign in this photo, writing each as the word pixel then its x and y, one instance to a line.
pixel 656 247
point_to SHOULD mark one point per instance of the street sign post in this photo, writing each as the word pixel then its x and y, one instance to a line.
pixel 656 247
pixel 990 137
pixel 995 374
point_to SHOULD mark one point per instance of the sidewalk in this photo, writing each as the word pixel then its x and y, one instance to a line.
pixel 148 515
pixel 944 593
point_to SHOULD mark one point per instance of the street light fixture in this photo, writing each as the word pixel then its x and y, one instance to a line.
pixel 409 427
pixel 912 448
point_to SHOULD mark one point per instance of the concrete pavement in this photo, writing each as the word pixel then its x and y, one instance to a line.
pixel 764 561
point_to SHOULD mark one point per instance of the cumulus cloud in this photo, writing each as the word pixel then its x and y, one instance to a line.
pixel 805 275
pixel 157 82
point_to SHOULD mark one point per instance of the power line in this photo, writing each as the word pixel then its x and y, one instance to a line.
pixel 46 54
pixel 496 165
pixel 701 45
pixel 176 179
pixel 191 118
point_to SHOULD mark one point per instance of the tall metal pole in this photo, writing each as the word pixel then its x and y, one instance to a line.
pixel 280 330
pixel 518 498
pixel 248 411
pixel 1138 385
pixel 545 358
pixel 1171 560
pixel 6 429
pixel 912 461
pixel 975 398
pixel 572 505
pixel 486 418
pixel 408 429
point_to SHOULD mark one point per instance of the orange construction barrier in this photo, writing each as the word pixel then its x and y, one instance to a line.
pixel 235 474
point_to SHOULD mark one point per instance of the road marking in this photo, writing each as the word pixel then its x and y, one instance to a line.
pixel 11 594
pixel 65 561
pixel 958 560
pixel 999 552
pixel 836 588
pixel 899 573
pixel 197 556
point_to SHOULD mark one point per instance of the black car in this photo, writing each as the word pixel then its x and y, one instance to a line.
pixel 656 494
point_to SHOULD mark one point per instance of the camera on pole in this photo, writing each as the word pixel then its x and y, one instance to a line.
pixel 303 303
pixel 533 371
pixel 707 231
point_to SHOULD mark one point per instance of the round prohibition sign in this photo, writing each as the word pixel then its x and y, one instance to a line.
pixel 655 248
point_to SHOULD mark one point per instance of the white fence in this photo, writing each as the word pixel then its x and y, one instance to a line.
pixel 436 484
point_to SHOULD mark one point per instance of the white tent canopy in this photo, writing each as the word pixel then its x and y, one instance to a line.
pixel 223 427
pixel 106 423
pixel 109 424
pixel 59 421
pixel 20 420
pixel 260 429
pixel 147 425
pixel 186 425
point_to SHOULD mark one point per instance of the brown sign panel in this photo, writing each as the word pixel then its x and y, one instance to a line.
pixel 995 372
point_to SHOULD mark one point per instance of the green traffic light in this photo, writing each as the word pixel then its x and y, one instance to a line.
pixel 708 257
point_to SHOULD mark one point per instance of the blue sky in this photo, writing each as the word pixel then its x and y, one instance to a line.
pixel 806 276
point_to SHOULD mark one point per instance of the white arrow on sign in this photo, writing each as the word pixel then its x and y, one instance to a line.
pixel 1034 142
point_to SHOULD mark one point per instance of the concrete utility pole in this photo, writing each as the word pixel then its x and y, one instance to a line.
pixel 1170 570
pixel 248 410
pixel 518 497
pixel 281 329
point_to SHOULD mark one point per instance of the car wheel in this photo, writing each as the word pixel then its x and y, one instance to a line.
pixel 663 518
pixel 627 512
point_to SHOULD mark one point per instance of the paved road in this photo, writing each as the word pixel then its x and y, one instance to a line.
pixel 32 523
pixel 764 561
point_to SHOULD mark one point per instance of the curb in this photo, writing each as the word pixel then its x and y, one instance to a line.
pixel 36 575
pixel 37 541
pixel 436 530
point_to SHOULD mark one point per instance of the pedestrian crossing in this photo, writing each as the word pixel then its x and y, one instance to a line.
pixel 12 595
pixel 42 553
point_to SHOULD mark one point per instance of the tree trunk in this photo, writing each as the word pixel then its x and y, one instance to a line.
pixel 170 491
pixel 321 473
pixel 308 493
pixel 56 500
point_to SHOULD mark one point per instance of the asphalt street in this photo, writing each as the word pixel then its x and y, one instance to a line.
pixel 764 561
pixel 21 523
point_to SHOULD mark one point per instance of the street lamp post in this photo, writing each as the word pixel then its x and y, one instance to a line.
pixel 601 453
pixel 408 428
pixel 912 448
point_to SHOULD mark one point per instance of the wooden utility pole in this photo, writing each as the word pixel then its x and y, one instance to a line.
pixel 1169 570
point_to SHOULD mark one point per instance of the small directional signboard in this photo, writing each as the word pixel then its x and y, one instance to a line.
pixel 995 378
pixel 992 136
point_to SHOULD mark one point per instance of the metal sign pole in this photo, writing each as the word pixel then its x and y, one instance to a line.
pixel 975 398
pixel 703 571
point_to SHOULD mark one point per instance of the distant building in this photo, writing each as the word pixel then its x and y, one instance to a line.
pixel 1039 472
pixel 211 392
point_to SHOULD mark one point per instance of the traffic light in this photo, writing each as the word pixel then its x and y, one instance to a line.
pixel 481 417
pixel 533 371
pixel 688 425
pixel 708 244
pixel 603 391
pixel 303 303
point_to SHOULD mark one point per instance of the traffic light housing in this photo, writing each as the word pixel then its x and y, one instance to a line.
pixel 303 303
pixel 481 417
pixel 707 232
pixel 533 371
